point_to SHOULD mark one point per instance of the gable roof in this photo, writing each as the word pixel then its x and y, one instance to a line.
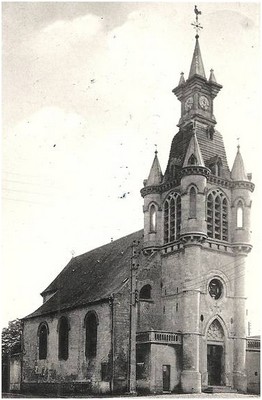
pixel 193 149
pixel 90 277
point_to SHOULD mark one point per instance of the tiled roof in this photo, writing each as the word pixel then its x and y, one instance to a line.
pixel 90 277
pixel 209 148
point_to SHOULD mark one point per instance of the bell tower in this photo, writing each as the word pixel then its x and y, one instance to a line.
pixel 197 94
pixel 197 216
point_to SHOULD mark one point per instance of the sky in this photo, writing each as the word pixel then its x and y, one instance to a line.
pixel 87 97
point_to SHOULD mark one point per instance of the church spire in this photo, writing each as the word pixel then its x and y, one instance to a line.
pixel 197 66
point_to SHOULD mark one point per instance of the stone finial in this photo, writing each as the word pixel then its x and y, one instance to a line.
pixel 182 79
pixel 212 76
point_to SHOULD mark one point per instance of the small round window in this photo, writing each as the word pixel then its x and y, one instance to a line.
pixel 215 288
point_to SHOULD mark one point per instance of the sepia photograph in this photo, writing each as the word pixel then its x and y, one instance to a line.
pixel 131 187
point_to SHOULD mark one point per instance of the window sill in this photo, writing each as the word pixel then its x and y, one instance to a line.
pixel 147 300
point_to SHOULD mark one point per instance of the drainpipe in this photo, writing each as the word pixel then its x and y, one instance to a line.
pixel 111 305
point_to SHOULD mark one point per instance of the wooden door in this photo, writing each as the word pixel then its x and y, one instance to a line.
pixel 166 378
pixel 214 364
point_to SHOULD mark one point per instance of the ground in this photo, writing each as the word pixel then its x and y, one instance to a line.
pixel 166 396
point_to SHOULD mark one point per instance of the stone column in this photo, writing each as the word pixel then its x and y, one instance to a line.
pixel 191 377
pixel 239 361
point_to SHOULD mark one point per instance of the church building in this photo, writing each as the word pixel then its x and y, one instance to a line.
pixel 162 309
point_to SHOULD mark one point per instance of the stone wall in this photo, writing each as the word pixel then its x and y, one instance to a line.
pixel 54 374
pixel 253 365
pixel 15 373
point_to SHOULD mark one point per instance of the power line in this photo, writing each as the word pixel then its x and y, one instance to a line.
pixel 203 279
pixel 27 183
pixel 24 191
pixel 26 201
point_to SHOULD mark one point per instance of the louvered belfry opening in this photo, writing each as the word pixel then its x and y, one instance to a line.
pixel 217 215
pixel 172 217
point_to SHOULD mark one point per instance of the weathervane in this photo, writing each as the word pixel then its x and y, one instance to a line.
pixel 197 26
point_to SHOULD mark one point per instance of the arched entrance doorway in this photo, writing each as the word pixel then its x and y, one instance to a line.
pixel 215 354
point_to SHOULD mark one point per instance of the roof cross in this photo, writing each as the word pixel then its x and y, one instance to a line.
pixel 197 26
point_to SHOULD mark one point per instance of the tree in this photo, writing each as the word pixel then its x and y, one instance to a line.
pixel 12 337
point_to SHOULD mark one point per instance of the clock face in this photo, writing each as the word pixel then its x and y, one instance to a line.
pixel 189 103
pixel 215 289
pixel 204 102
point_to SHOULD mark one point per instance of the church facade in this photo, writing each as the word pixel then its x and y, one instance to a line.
pixel 162 309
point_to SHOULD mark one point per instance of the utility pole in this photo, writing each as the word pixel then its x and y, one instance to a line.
pixel 249 328
pixel 133 319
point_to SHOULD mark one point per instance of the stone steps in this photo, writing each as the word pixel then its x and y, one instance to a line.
pixel 219 389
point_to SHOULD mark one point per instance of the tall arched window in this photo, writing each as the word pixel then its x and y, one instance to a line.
pixel 145 293
pixel 43 332
pixel 240 214
pixel 172 217
pixel 91 323
pixel 152 214
pixel 63 338
pixel 192 203
pixel 217 215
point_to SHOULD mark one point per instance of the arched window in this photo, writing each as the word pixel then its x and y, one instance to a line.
pixel 63 337
pixel 43 332
pixel 172 217
pixel 240 214
pixel 152 214
pixel 217 215
pixel 219 167
pixel 91 323
pixel 215 166
pixel 145 293
pixel 215 331
pixel 192 203
pixel 192 160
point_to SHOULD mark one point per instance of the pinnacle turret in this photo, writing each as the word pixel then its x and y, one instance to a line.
pixel 238 172
pixel 155 175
